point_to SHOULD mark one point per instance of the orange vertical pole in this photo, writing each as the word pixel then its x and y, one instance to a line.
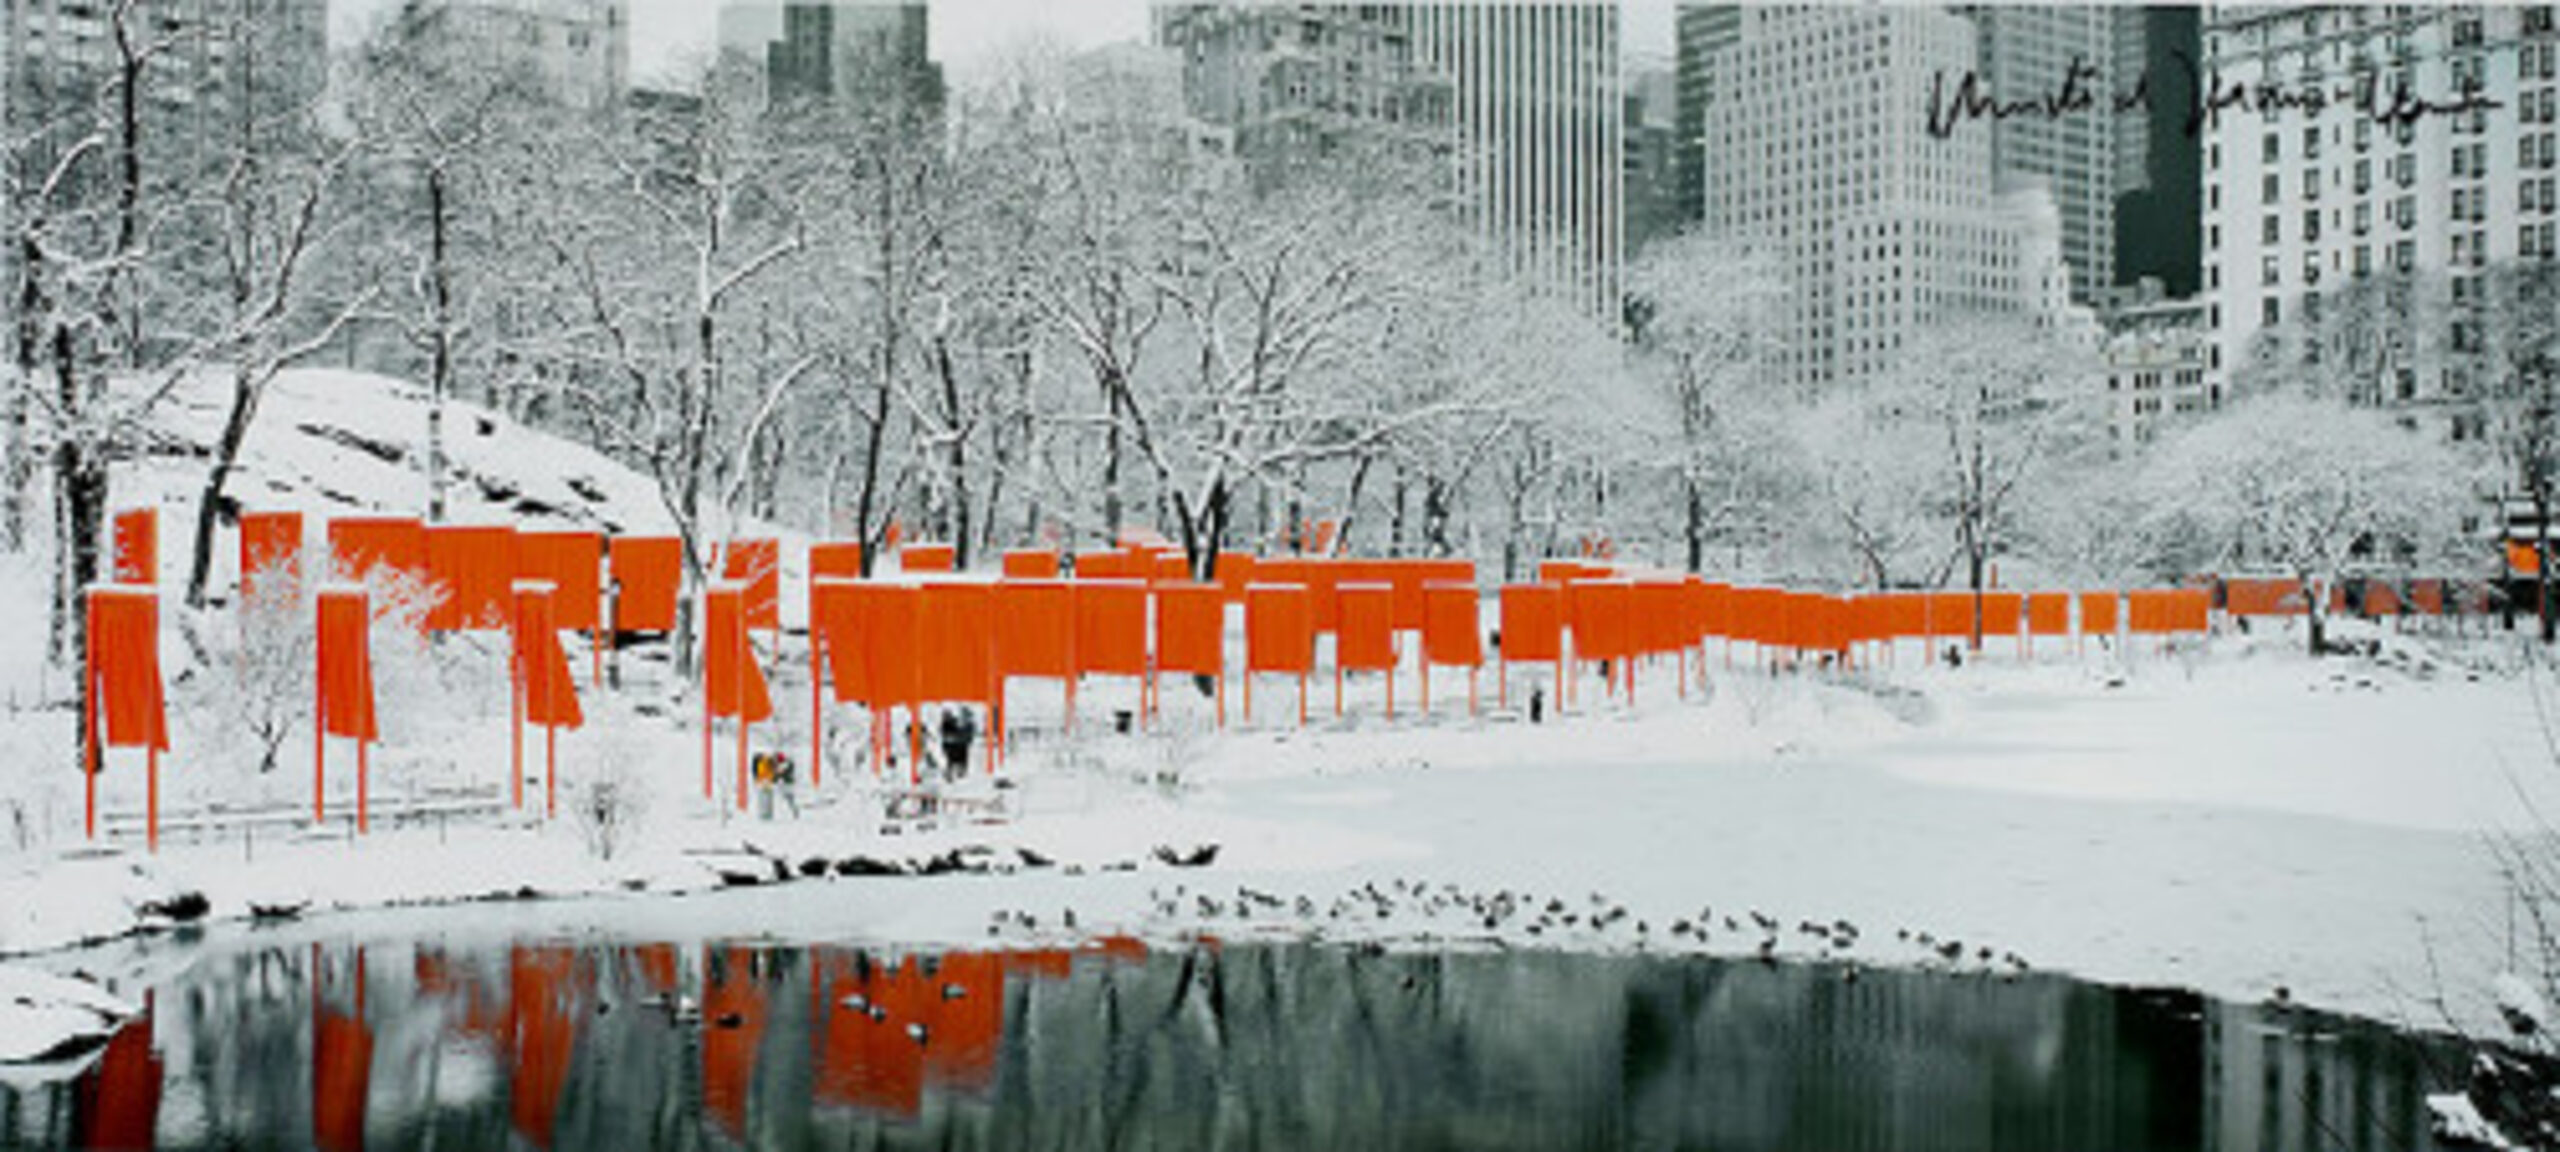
pixel 515 688
pixel 1426 683
pixel 1337 682
pixel 319 730
pixel 152 757
pixel 742 702
pixel 1684 673
pixel 706 737
pixel 1302 698
pixel 817 701
pixel 915 747
pixel 1391 682
pixel 1471 692
pixel 550 771
pixel 1222 699
pixel 1502 681
pixel 364 773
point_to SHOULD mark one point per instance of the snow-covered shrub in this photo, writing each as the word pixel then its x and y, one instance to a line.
pixel 610 800
pixel 265 696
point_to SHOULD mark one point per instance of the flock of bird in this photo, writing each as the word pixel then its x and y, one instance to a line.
pixel 1426 912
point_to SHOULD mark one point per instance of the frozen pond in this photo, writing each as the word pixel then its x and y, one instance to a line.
pixel 465 1030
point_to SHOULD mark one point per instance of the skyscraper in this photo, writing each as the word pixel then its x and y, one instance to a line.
pixel 2310 207
pixel 1819 154
pixel 1520 101
pixel 862 54
pixel 1703 30
pixel 2029 51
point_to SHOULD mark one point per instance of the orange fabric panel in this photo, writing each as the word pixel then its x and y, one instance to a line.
pixel 1951 614
pixel 1191 629
pixel 1280 570
pixel 928 558
pixel 1168 568
pixel 269 541
pixel 346 665
pixel 1450 625
pixel 341 1078
pixel 1596 611
pixel 1111 628
pixel 1324 612
pixel 1236 570
pixel 1279 629
pixel 1532 622
pixel 137 546
pixel 2191 610
pixel 359 544
pixel 889 620
pixel 759 564
pixel 124 639
pixel 1657 616
pixel 1365 638
pixel 1111 566
pixel 1030 564
pixel 2427 597
pixel 650 573
pixel 572 563
pixel 1035 629
pixel 2098 613
pixel 2263 597
pixel 839 638
pixel 2523 558
pixel 840 558
pixel 2049 614
pixel 1715 609
pixel 2001 613
pixel 955 627
pixel 475 568
pixel 550 696
pixel 1564 571
pixel 736 685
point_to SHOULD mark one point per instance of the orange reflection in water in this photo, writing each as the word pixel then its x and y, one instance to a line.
pixel 116 1103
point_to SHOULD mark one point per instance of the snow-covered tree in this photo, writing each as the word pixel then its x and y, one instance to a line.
pixel 2510 338
pixel 2305 486
pixel 1707 310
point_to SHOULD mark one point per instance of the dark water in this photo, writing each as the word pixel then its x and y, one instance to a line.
pixel 559 1044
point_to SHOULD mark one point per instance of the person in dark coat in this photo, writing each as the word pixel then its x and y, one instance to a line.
pixel 959 730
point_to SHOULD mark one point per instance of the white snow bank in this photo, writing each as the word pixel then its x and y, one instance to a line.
pixel 43 1016
pixel 2457 1119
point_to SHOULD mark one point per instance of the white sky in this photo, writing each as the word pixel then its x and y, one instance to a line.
pixel 666 32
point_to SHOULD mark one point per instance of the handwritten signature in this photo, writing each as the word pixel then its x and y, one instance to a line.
pixel 2207 93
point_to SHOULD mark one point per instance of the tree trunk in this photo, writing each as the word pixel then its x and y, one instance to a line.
pixel 226 457
pixel 956 456
pixel 2542 557
pixel 1695 502
pixel 439 337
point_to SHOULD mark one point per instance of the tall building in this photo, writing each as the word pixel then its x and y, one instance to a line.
pixel 2158 205
pixel 2430 157
pixel 575 53
pixel 1520 101
pixel 1655 209
pixel 1819 156
pixel 851 53
pixel 2027 52
pixel 1703 30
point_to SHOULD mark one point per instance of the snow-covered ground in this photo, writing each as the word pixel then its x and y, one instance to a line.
pixel 2237 820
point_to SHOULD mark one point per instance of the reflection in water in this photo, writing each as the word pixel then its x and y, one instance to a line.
pixel 629 1047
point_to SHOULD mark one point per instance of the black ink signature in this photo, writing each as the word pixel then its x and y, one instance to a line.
pixel 2208 95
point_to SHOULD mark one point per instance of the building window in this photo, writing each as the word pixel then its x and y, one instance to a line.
pixel 2364 173
pixel 2270 271
pixel 2270 231
pixel 2269 188
pixel 2404 256
pixel 2270 313
pixel 2311 225
pixel 2311 143
pixel 2271 147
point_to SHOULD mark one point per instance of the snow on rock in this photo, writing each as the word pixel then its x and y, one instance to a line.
pixel 2458 1120
pixel 2521 1004
pixel 44 1017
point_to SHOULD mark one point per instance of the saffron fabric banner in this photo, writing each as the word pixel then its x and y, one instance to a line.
pixel 346 664
pixel 649 574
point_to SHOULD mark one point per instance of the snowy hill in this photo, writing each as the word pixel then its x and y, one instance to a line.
pixel 332 443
